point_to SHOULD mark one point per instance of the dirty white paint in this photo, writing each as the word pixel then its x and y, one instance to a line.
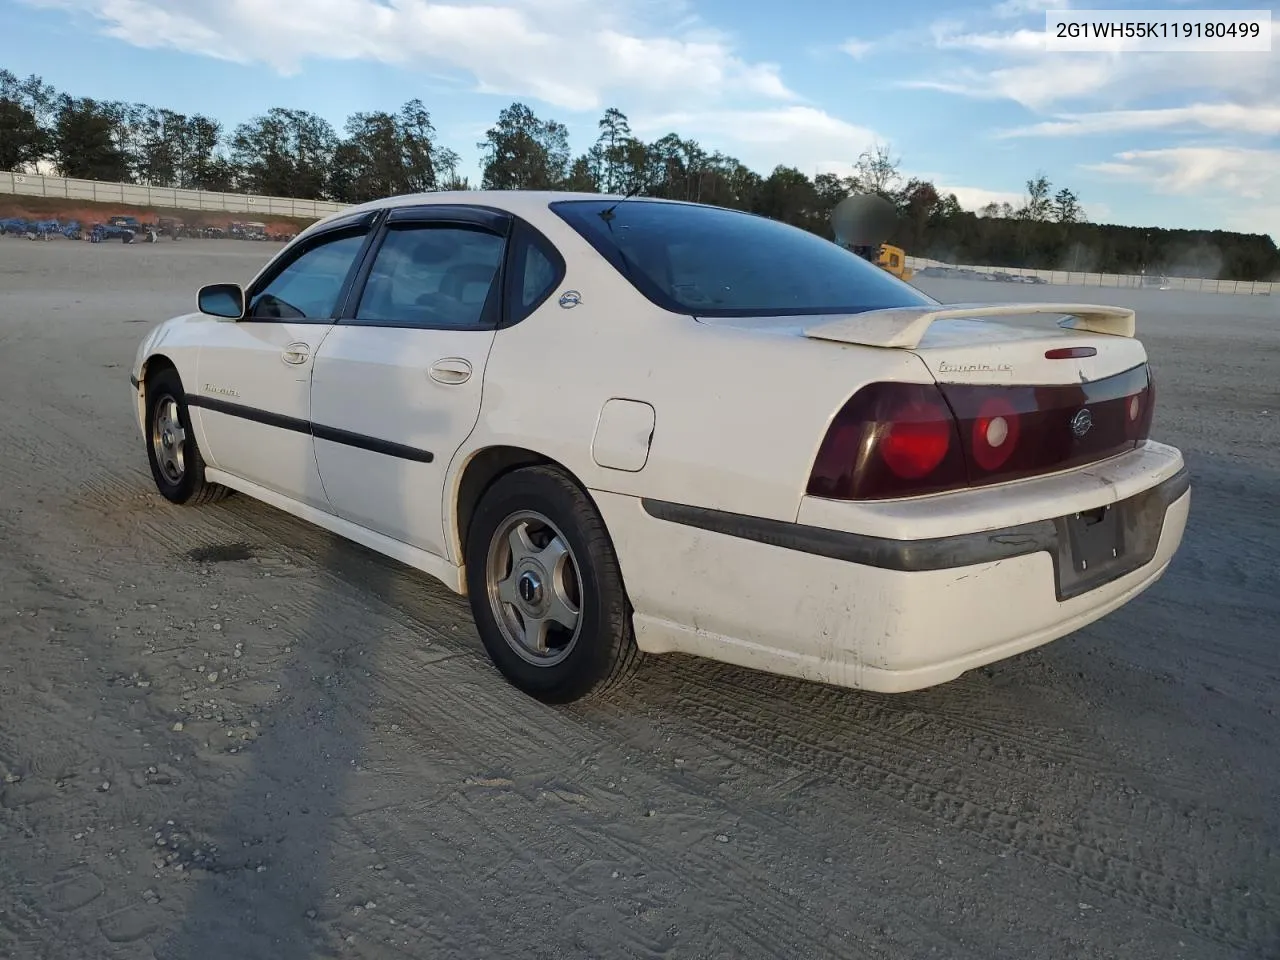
pixel 726 415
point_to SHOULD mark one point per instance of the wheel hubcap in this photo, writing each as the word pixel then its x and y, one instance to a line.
pixel 530 589
pixel 535 588
pixel 168 440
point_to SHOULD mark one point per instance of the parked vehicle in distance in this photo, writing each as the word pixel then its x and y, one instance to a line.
pixel 627 426
pixel 252 230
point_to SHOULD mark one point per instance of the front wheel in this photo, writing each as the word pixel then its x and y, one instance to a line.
pixel 546 589
pixel 176 464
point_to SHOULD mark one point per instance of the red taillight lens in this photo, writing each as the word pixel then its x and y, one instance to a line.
pixel 906 439
pixel 889 440
pixel 1138 412
pixel 1044 427
pixel 917 439
pixel 995 433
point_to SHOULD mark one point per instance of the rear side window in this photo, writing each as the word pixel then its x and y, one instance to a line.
pixel 533 271
pixel 712 262
pixel 436 276
pixel 539 275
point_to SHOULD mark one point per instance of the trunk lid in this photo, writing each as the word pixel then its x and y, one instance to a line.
pixel 1031 388
pixel 1016 343
pixel 1000 352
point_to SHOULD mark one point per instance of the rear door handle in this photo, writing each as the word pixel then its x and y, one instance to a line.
pixel 450 370
pixel 296 353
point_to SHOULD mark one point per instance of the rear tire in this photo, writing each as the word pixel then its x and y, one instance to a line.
pixel 176 464
pixel 546 589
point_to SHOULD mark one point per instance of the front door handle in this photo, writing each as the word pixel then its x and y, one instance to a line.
pixel 296 353
pixel 450 370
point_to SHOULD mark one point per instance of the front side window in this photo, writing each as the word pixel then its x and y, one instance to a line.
pixel 432 276
pixel 712 262
pixel 308 288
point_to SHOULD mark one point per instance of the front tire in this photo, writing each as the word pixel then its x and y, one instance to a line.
pixel 546 589
pixel 176 464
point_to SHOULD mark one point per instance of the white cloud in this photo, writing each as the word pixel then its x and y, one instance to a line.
pixel 1011 42
pixel 975 198
pixel 797 136
pixel 856 48
pixel 573 54
pixel 1017 65
pixel 1243 185
pixel 1221 117
pixel 1136 96
pixel 1036 86
pixel 1021 8
pixel 1230 171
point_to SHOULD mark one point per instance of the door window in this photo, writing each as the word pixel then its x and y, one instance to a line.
pixel 309 286
pixel 433 276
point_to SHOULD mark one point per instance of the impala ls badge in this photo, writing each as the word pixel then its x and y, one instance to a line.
pixel 570 299
pixel 1082 423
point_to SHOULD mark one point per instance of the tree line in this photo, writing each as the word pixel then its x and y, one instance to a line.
pixel 296 153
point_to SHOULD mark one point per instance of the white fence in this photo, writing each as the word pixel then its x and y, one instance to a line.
pixel 35 185
pixel 1150 281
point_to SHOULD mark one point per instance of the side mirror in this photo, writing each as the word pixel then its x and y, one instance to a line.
pixel 224 300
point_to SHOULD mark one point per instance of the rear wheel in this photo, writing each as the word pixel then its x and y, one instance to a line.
pixel 176 464
pixel 546 589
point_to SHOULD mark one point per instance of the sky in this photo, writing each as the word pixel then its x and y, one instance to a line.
pixel 965 94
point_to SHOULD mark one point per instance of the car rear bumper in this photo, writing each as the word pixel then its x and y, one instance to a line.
pixel 890 613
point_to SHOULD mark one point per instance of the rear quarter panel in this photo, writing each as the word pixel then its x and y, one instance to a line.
pixel 739 414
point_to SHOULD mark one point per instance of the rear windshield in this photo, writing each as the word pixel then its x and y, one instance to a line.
pixel 711 262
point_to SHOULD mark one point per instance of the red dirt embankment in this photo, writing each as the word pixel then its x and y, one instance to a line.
pixel 88 211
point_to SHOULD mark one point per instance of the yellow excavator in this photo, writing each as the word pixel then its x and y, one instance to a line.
pixel 895 261
pixel 861 223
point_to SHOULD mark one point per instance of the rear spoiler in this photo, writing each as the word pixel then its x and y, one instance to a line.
pixel 905 327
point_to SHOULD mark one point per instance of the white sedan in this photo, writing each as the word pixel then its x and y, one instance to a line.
pixel 628 427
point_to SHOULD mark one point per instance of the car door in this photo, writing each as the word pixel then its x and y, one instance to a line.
pixel 253 390
pixel 399 379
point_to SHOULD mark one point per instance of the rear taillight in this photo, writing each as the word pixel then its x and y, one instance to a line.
pixel 995 432
pixel 905 439
pixel 916 439
pixel 889 440
pixel 1142 406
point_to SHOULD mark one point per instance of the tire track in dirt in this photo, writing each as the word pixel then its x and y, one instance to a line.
pixel 1157 878
pixel 429 701
pixel 417 692
pixel 893 763
pixel 748 816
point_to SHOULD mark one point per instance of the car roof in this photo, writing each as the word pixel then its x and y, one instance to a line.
pixel 528 204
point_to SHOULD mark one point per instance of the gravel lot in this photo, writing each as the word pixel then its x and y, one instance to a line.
pixel 226 734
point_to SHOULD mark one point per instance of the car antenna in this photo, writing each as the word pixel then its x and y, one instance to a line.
pixel 607 213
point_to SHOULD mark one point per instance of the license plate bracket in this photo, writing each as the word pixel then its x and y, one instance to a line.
pixel 1096 547
pixel 1097 537
pixel 1092 548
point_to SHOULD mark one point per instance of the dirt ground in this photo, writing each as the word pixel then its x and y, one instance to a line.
pixel 224 733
